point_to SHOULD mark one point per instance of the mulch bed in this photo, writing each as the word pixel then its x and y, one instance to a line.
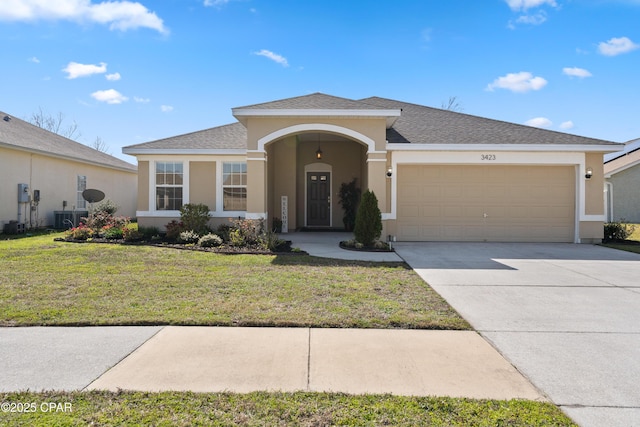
pixel 224 249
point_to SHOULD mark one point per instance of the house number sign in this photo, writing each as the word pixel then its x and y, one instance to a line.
pixel 487 157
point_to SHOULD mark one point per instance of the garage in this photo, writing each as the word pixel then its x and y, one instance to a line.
pixel 495 203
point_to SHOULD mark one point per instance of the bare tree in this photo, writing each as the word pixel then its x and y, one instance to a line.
pixel 55 124
pixel 452 105
pixel 100 145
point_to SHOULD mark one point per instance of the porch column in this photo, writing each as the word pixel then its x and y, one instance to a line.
pixel 377 177
pixel 256 185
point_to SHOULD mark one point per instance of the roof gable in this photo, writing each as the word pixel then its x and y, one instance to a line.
pixel 315 101
pixel 21 135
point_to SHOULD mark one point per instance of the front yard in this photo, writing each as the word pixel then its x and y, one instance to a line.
pixel 58 283
pixel 43 282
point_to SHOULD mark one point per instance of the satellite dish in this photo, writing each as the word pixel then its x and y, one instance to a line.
pixel 92 195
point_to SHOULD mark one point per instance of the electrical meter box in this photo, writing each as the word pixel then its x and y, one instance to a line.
pixel 23 193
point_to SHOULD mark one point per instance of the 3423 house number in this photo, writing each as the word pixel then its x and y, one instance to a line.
pixel 488 157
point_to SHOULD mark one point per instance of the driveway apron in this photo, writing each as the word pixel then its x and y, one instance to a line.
pixel 566 315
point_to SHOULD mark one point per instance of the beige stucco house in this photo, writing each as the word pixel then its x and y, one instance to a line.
pixel 42 176
pixel 622 183
pixel 438 175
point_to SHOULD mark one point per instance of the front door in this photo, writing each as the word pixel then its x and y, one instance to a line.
pixel 318 199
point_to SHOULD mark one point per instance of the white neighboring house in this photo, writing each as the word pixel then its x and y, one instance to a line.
pixel 622 183
pixel 42 176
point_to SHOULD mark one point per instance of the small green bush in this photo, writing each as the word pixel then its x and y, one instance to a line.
pixel 368 219
pixel 112 232
pixel 148 232
pixel 130 234
pixel 189 236
pixel 269 241
pixel 174 228
pixel 210 240
pixel 618 230
pixel 236 238
pixel 195 217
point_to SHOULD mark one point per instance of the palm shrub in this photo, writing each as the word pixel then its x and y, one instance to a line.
pixel 368 219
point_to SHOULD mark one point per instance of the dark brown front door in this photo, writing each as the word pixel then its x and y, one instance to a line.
pixel 318 199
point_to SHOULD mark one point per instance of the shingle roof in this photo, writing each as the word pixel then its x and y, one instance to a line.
pixel 425 125
pixel 232 136
pixel 315 101
pixel 417 124
pixel 22 135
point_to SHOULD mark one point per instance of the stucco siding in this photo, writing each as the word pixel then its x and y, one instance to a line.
pixel 625 194
pixel 56 179
pixel 202 185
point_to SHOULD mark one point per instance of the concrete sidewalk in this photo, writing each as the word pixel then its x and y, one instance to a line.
pixel 214 359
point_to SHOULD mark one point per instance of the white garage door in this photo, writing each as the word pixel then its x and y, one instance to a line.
pixel 486 203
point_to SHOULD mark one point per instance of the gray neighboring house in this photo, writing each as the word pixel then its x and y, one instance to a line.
pixel 622 183
pixel 42 176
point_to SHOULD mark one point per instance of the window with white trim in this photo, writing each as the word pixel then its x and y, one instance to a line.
pixel 234 186
pixel 81 203
pixel 169 185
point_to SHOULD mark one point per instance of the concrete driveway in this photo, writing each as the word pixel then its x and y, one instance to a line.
pixel 567 316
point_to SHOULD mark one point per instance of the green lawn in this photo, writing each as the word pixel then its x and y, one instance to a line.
pixel 275 409
pixel 631 245
pixel 43 282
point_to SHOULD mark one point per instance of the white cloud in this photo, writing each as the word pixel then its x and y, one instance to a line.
pixel 539 122
pixel 166 108
pixel 110 96
pixel 34 60
pixel 273 56
pixel 119 14
pixel 617 46
pixel 576 72
pixel 141 100
pixel 516 5
pixel 75 69
pixel 566 125
pixel 518 82
pixel 536 19
pixel 113 77
pixel 209 3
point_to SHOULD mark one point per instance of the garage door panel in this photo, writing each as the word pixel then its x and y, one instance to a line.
pixel 486 203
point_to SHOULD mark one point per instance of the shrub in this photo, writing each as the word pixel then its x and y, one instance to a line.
pixel 223 231
pixel 249 229
pixel 106 206
pixel 189 236
pixel 378 244
pixel 349 195
pixel 276 225
pixel 236 238
pixel 195 217
pixel 81 232
pixel 269 241
pixel 368 219
pixel 618 230
pixel 210 240
pixel 130 234
pixel 148 232
pixel 174 228
pixel 112 232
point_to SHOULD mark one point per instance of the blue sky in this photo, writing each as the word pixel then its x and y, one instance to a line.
pixel 135 71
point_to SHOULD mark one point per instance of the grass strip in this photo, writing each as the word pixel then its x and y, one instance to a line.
pixel 101 408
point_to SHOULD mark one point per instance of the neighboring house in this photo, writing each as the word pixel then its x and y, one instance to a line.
pixel 42 176
pixel 438 175
pixel 622 183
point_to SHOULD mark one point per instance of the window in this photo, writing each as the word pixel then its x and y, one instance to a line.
pixel 234 186
pixel 169 180
pixel 81 203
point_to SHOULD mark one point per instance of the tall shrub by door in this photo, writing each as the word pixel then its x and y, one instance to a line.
pixel 368 219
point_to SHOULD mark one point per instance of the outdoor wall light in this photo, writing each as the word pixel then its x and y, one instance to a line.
pixel 389 172
pixel 589 173
pixel 319 153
